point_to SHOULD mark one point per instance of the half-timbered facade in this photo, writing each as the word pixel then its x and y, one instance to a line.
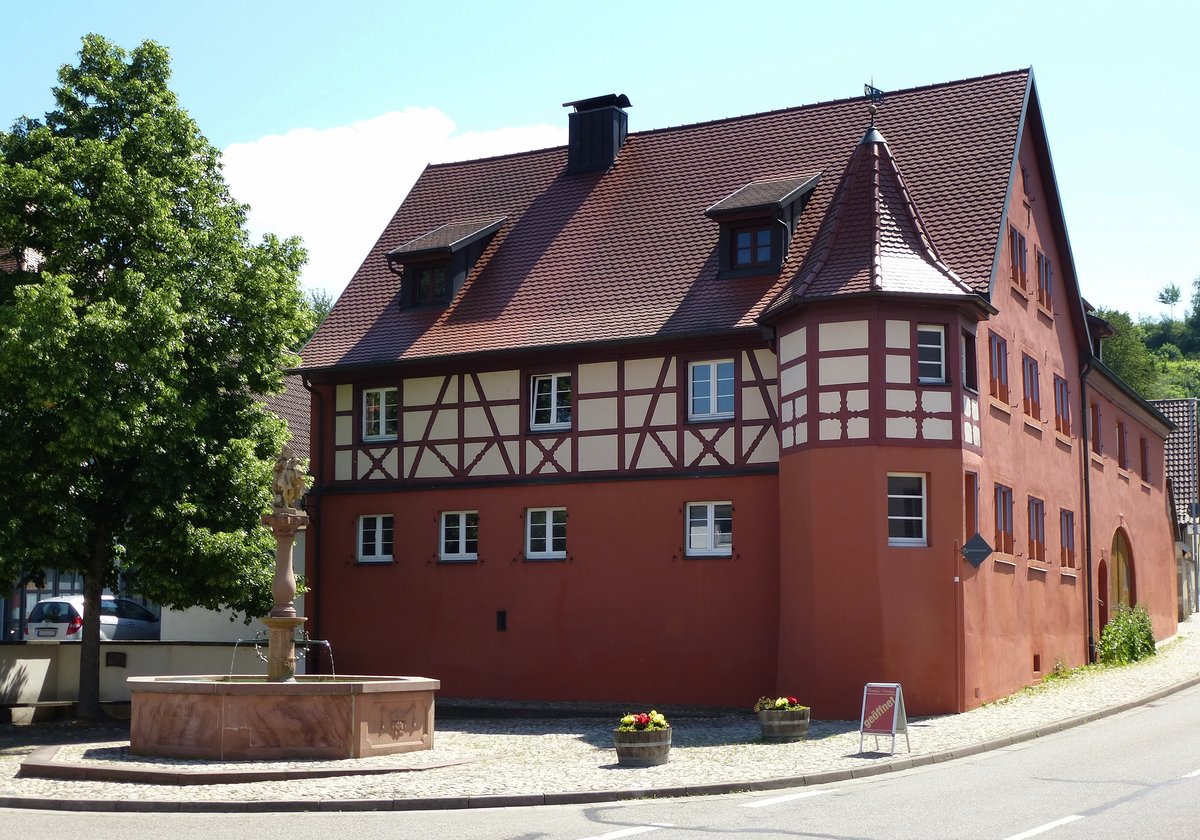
pixel 703 413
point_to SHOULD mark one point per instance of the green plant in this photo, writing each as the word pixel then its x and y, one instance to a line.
pixel 1127 637
pixel 642 722
pixel 1060 671
pixel 778 704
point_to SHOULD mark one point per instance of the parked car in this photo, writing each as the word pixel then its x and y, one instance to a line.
pixel 61 619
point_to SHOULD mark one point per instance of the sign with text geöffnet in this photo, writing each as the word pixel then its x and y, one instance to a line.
pixel 883 714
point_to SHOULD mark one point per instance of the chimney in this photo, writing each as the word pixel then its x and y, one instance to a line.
pixel 596 132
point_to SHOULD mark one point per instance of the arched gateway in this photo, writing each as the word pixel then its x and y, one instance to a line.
pixel 1122 590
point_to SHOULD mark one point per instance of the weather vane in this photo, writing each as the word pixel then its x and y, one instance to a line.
pixel 875 95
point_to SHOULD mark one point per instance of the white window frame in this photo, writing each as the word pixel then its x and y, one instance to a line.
pixel 923 540
pixel 462 527
pixel 378 528
pixel 555 406
pixel 713 368
pixel 546 551
pixel 384 419
pixel 710 547
pixel 940 329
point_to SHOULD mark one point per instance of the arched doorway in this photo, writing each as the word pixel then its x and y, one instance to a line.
pixel 1122 589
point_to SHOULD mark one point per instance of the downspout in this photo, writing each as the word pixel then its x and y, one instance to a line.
pixel 1084 450
pixel 312 505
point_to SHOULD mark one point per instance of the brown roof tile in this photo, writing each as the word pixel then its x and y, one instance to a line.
pixel 871 239
pixel 1182 451
pixel 293 406
pixel 775 192
pixel 449 237
pixel 629 254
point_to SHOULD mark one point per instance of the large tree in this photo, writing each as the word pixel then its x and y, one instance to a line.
pixel 133 362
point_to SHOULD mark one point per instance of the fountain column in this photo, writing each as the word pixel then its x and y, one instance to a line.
pixel 283 621
pixel 289 484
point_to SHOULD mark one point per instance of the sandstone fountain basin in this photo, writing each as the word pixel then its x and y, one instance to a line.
pixel 247 718
pixel 284 716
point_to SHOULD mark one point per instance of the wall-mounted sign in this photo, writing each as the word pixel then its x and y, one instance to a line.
pixel 976 550
pixel 883 714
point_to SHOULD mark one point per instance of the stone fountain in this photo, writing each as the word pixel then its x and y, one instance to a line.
pixel 283 716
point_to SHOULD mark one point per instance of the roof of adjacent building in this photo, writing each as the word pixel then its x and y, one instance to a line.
pixel 292 404
pixel 1183 451
pixel 629 254
pixel 19 259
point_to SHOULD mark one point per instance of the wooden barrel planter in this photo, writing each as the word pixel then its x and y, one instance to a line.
pixel 642 748
pixel 782 725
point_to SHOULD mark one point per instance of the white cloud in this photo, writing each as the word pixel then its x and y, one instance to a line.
pixel 337 188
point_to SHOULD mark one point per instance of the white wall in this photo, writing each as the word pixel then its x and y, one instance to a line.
pixel 201 625
pixel 35 672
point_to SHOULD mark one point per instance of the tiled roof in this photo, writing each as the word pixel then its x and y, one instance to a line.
pixel 449 237
pixel 293 406
pixel 15 259
pixel 871 239
pixel 628 254
pixel 1182 451
pixel 775 192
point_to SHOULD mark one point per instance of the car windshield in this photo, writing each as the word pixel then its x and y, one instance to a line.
pixel 54 611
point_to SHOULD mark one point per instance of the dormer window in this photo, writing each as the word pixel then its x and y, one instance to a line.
pixel 434 266
pixel 429 286
pixel 752 246
pixel 756 224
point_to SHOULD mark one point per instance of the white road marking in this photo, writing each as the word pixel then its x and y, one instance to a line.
pixel 629 832
pixel 1192 774
pixel 776 800
pixel 1035 831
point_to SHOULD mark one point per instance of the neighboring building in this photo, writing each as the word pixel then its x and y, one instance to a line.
pixel 698 414
pixel 1183 469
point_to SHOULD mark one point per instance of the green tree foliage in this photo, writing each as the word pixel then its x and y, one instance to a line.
pixel 133 363
pixel 1127 354
pixel 1169 295
pixel 319 303
pixel 1170 346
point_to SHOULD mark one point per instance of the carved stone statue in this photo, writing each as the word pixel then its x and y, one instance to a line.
pixel 291 480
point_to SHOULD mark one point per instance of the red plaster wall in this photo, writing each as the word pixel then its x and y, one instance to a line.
pixel 854 609
pixel 1016 609
pixel 624 618
pixel 1122 500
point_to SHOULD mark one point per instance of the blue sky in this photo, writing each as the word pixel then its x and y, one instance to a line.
pixel 327 112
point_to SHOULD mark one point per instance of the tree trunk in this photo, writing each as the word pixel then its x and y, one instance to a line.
pixel 89 645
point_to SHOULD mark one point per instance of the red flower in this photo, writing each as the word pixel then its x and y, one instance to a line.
pixel 641 719
pixel 792 701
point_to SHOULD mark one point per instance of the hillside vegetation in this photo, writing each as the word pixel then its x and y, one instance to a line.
pixel 1159 358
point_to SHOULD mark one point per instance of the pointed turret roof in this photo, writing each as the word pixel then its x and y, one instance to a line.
pixel 871 239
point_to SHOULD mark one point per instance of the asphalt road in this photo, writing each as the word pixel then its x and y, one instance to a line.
pixel 1134 775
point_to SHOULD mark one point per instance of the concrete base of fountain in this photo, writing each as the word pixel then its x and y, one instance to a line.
pixel 243 718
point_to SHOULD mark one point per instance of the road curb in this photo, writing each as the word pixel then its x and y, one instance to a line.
pixel 586 797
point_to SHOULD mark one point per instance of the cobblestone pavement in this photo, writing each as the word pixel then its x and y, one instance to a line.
pixel 545 759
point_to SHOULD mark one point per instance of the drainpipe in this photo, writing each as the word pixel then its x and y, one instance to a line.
pixel 312 504
pixel 1084 449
